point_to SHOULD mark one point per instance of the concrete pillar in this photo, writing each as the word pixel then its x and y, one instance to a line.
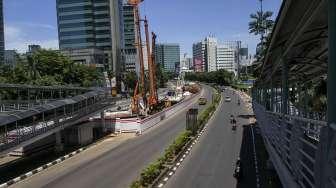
pixel 284 78
pixel 103 122
pixel 59 147
pixel 272 96
pixel 325 173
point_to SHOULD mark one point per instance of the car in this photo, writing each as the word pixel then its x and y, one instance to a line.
pixel 234 127
pixel 227 99
pixel 202 101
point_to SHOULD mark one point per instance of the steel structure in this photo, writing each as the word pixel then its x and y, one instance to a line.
pixel 15 97
pixel 19 129
pixel 301 142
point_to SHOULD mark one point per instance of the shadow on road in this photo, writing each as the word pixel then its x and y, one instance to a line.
pixel 267 177
pixel 246 116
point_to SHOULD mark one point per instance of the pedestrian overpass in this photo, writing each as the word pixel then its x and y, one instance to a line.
pixel 22 127
pixel 298 129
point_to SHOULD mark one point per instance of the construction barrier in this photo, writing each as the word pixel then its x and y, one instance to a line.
pixel 138 125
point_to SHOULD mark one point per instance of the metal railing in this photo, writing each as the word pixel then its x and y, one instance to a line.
pixel 293 139
pixel 19 131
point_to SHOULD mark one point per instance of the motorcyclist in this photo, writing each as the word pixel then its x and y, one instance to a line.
pixel 232 120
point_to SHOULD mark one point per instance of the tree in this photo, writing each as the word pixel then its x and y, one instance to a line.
pixel 221 77
pixel 261 24
pixel 48 67
pixel 130 80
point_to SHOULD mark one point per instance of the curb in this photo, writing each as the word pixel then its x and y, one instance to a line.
pixel 41 168
pixel 187 151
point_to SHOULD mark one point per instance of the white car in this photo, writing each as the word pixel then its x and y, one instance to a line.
pixel 227 99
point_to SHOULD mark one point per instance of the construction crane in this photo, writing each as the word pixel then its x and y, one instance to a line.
pixel 154 67
pixel 152 99
pixel 138 95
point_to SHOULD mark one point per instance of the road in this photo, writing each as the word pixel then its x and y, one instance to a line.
pixel 211 162
pixel 117 167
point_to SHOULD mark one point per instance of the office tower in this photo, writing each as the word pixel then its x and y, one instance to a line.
pixel 2 37
pixel 168 55
pixel 130 51
pixel 92 27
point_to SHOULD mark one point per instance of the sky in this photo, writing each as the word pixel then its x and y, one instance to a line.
pixel 175 21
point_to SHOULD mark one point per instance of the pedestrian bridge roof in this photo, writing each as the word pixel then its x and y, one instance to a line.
pixel 299 38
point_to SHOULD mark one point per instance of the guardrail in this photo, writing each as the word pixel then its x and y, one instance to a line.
pixel 141 125
pixel 294 145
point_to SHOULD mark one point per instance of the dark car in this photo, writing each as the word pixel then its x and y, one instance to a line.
pixel 202 101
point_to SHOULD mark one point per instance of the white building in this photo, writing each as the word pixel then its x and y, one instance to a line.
pixel 226 58
pixel 211 50
pixel 186 63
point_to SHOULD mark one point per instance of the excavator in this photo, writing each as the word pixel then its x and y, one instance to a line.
pixel 141 105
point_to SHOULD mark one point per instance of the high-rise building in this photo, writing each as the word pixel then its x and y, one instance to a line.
pixel 199 59
pixel 210 53
pixel 130 50
pixel 92 26
pixel 32 48
pixel 11 57
pixel 186 63
pixel 2 37
pixel 168 55
pixel 226 58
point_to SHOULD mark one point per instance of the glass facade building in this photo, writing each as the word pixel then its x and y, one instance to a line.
pixel 2 38
pixel 168 55
pixel 130 50
pixel 92 24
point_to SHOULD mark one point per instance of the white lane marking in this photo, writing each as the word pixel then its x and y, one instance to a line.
pixel 39 169
pixel 17 179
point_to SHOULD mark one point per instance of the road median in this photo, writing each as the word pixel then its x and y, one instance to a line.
pixel 158 172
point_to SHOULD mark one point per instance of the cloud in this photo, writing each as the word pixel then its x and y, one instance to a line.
pixel 19 36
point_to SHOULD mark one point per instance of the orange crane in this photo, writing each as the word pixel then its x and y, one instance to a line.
pixel 152 99
pixel 141 86
pixel 154 67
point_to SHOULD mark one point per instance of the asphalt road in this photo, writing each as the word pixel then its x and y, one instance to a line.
pixel 117 167
pixel 211 162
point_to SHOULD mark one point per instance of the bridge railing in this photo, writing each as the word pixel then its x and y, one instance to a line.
pixel 293 142
pixel 16 97
pixel 20 127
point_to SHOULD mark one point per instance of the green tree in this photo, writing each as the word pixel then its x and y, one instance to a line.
pixel 130 80
pixel 48 67
pixel 261 23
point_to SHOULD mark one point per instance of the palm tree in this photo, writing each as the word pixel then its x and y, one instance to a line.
pixel 261 23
